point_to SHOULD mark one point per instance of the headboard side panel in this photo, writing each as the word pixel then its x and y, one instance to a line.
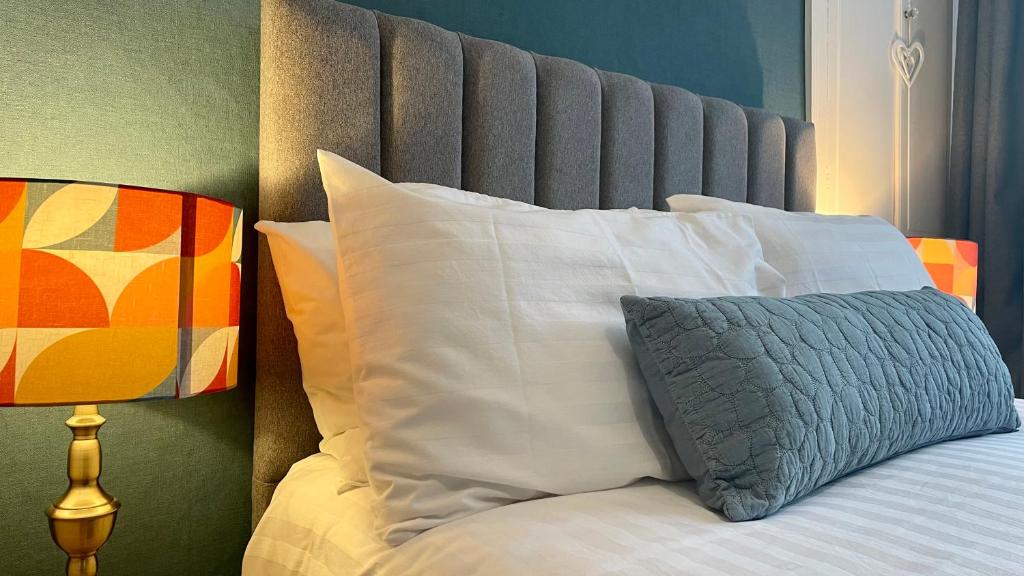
pixel 302 109
pixel 568 161
pixel 766 158
pixel 421 102
pixel 415 102
pixel 725 150
pixel 801 166
pixel 678 143
pixel 499 120
pixel 627 142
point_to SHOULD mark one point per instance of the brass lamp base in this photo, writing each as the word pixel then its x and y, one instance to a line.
pixel 83 518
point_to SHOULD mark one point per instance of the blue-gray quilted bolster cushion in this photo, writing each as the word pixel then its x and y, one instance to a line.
pixel 766 399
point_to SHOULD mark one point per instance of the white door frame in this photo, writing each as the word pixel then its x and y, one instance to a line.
pixel 829 40
pixel 821 53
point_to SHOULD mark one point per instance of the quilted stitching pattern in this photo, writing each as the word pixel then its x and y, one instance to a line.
pixel 768 399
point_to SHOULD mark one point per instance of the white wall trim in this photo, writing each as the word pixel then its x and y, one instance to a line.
pixel 822 81
pixel 901 135
pixel 883 149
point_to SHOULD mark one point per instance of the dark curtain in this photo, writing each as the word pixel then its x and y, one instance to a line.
pixel 986 179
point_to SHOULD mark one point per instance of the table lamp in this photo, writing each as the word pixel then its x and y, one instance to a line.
pixel 111 294
pixel 952 264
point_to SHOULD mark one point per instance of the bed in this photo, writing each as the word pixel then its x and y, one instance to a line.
pixel 416 103
pixel 954 508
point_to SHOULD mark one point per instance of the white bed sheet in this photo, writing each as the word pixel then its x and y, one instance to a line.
pixel 956 508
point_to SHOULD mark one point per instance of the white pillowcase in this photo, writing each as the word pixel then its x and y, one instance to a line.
pixel 820 253
pixel 488 349
pixel 305 261
pixel 307 271
pixel 348 451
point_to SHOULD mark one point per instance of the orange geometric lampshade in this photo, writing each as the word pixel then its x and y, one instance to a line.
pixel 114 293
pixel 952 264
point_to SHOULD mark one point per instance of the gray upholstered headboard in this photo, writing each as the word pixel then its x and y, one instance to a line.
pixel 421 104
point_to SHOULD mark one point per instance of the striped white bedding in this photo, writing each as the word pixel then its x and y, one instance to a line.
pixel 956 508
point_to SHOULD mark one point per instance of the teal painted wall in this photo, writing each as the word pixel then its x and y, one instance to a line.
pixel 161 93
pixel 748 51
pixel 164 93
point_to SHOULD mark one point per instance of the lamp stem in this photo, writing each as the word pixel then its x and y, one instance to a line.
pixel 82 519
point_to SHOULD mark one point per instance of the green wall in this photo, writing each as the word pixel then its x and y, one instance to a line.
pixel 164 93
pixel 748 51
pixel 161 93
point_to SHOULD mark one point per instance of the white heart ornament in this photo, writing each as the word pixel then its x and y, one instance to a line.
pixel 907 59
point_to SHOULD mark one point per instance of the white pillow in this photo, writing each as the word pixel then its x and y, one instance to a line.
pixel 819 253
pixel 305 261
pixel 307 271
pixel 488 349
pixel 348 450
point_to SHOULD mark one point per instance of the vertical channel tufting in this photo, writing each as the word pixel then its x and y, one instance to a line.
pixel 725 150
pixel 319 88
pixel 295 120
pixel 801 166
pixel 568 134
pixel 499 119
pixel 421 102
pixel 627 142
pixel 678 143
pixel 766 158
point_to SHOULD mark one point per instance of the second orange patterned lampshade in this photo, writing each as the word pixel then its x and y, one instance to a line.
pixel 114 293
pixel 952 264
